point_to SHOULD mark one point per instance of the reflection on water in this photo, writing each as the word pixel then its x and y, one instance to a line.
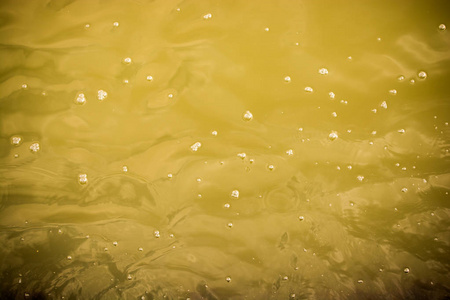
pixel 224 150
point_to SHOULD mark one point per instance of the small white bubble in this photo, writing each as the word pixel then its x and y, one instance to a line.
pixel 116 24
pixel 101 95
pixel 332 95
pixel 169 175
pixel 422 75
pixel 129 277
pixel 125 169
pixel 374 132
pixel 235 194
pixel 207 16
pixel 266 29
pixel 323 71
pixel 34 147
pixel 214 133
pixel 412 81
pixel 400 78
pixel 349 58
pixel 150 78
pixel 82 178
pixel 242 155
pixel 287 79
pixel 332 136
pixel 404 190
pixel 127 60
pixel 16 140
pixel 195 146
pixel 401 131
pixel 69 257
pixel 156 234
pixel 383 104
pixel 300 129
pixel 87 25
pixel 24 86
pixel 334 114
pixel 140 249
pixel 230 225
pixel 309 89
pixel 360 178
pixel 442 27
pixel 301 218
pixel 360 281
pixel 374 110
pixel 379 39
pixel 270 167
pixel 199 180
pixel 248 116
pixel 125 81
pixel 228 279
pixel 393 92
pixel 80 99
pixel 290 152
pixel 406 270
pixel 170 95
pixel 115 243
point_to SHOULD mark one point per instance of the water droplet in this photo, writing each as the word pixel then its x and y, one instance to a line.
pixel 349 58
pixel 406 270
pixel 195 146
pixel 401 131
pixel 412 81
pixel 115 243
pixel 156 234
pixel 248 116
pixel 69 257
pixel 332 136
pixel 393 92
pixel 227 205
pixel 116 24
pixel 287 79
pixel 235 194
pixel 285 278
pixel 169 175
pixel 309 89
pixel 101 95
pixel 422 75
pixel 129 277
pixel 87 25
pixel 334 114
pixel 140 249
pixel 214 133
pixel 270 167
pixel 16 140
pixel 125 169
pixel 207 16
pixel 374 132
pixel 267 29
pixel 127 60
pixel 323 71
pixel 301 218
pixel 332 95
pixel 360 178
pixel 230 225
pixel 404 190
pixel 290 152
pixel 125 81
pixel 34 147
pixel 242 155
pixel 24 86
pixel 383 104
pixel 80 99
pixel 400 78
pixel 442 27
pixel 82 178
pixel 170 95
pixel 228 279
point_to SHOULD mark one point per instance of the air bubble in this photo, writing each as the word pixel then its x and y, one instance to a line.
pixel 230 225
pixel 227 205
pixel 235 194
pixel 404 190
pixel 270 167
pixel 170 95
pixel 242 155
pixel 115 243
pixel 16 140
pixel 129 277
pixel 80 99
pixel 309 89
pixel 82 178
pixel 228 279
pixel 266 29
pixel 393 92
pixel 116 24
pixel 69 257
pixel 34 147
pixel 422 75
pixel 323 71
pixel 290 152
pixel 214 133
pixel 127 60
pixel 24 86
pixel 383 104
pixel 140 249
pixel 332 136
pixel 247 116
pixel 360 178
pixel 301 218
pixel 287 79
pixel 442 27
pixel 125 169
pixel 334 114
pixel 406 270
pixel 401 131
pixel 156 234
pixel 332 95
pixel 195 146
pixel 400 78
pixel 207 16
pixel 101 95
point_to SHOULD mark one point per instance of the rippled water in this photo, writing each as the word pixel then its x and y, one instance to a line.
pixel 224 149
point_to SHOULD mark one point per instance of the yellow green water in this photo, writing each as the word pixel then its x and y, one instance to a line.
pixel 243 149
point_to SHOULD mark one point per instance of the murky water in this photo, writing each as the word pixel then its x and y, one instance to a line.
pixel 224 149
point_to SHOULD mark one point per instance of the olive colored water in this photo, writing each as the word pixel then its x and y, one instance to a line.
pixel 239 149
